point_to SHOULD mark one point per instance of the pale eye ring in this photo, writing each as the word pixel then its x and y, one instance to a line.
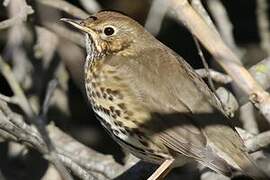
pixel 108 31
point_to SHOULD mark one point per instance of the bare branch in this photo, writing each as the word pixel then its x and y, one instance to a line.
pixel 8 99
pixel 229 102
pixel 248 118
pixel 156 15
pixel 80 159
pixel 227 59
pixel 66 7
pixel 90 5
pixel 261 72
pixel 41 125
pixel 258 142
pixel 197 5
pixel 223 23
pixel 215 75
pixel 19 18
pixel 46 45
pixel 25 105
pixel 6 2
pixel 263 23
pixel 78 171
pixel 23 102
pixel 211 84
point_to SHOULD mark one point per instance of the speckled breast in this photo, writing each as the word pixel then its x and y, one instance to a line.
pixel 114 107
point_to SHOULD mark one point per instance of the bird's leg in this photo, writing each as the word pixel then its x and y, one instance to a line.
pixel 162 170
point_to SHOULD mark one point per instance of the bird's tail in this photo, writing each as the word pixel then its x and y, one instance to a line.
pixel 248 166
pixel 242 159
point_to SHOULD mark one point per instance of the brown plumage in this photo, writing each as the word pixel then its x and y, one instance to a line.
pixel 152 102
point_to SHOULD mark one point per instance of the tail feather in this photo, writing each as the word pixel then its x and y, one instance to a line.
pixel 220 166
pixel 242 159
pixel 248 166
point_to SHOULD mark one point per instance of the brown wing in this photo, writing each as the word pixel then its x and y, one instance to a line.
pixel 150 79
pixel 185 115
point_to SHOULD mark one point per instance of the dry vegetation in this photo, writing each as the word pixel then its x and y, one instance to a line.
pixel 44 120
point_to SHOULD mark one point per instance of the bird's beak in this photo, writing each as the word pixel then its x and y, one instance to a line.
pixel 76 23
pixel 79 24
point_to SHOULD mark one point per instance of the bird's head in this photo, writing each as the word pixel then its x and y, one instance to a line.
pixel 111 32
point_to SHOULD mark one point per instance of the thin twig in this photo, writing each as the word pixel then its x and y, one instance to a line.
pixel 260 71
pixel 51 87
pixel 12 100
pixel 215 75
pixel 66 7
pixel 41 120
pixel 77 169
pixel 18 92
pixel 263 24
pixel 15 125
pixel 211 84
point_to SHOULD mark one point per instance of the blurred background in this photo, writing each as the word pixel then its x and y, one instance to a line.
pixel 42 48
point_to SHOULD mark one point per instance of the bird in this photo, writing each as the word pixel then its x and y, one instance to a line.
pixel 153 103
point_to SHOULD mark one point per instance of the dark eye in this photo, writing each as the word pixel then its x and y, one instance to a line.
pixel 108 31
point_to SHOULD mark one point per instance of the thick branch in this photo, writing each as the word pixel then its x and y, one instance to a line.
pixel 226 58
pixel 224 25
pixel 259 141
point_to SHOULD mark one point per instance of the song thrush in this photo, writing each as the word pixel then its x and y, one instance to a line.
pixel 152 102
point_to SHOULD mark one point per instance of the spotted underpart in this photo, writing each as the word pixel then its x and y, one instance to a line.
pixel 114 111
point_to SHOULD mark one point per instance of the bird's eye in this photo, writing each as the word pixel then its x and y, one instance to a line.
pixel 108 31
